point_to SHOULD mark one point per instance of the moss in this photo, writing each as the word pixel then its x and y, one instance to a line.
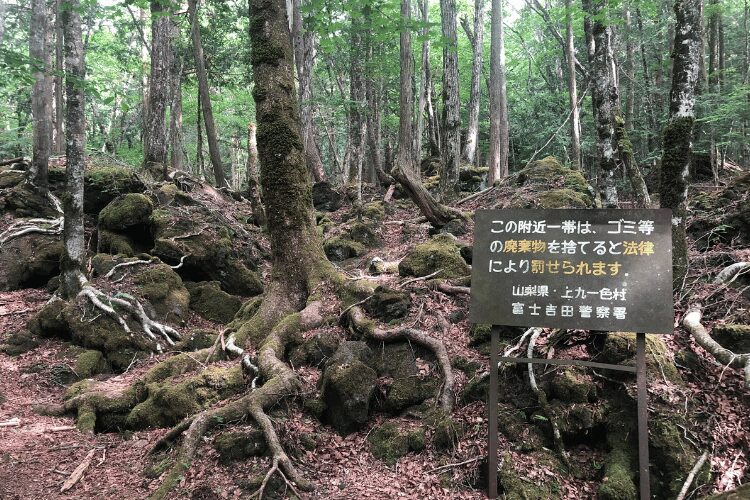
pixel 674 454
pixel 514 486
pixel 18 343
pixel 441 252
pixel 364 234
pixel 388 304
pixel 572 386
pixel 315 407
pixel 239 445
pixel 548 171
pixel 446 431
pixel 388 443
pixel 620 347
pixel 126 211
pixel 513 424
pixel 90 363
pixel 374 211
pixel 618 477
pixel 563 198
pixel 736 338
pixel 406 392
pixel 339 248
pixel 163 288
pixel 246 311
pixel 115 244
pixel 50 322
pixel 157 469
pixel 315 350
pixel 168 403
pixel 347 389
pixel 211 302
pixel 30 261
pixel 195 340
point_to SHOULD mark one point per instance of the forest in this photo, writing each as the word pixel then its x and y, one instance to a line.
pixel 237 237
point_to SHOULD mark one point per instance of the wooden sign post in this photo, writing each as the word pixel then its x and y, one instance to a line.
pixel 605 270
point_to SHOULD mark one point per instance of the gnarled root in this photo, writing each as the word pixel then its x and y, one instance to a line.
pixel 692 323
pixel 281 381
pixel 368 329
pixel 38 226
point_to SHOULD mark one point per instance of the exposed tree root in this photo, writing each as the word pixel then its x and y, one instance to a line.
pixel 368 329
pixel 730 273
pixel 692 323
pixel 543 403
pixel 36 226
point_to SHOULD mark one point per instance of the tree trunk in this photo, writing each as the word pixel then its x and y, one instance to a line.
pixel 253 191
pixel 575 117
pixel 304 56
pixel 3 10
pixel 424 84
pixel 629 71
pixel 449 186
pixel 477 43
pixel 59 134
pixel 157 144
pixel 177 156
pixel 72 262
pixel 746 81
pixel 205 96
pixel 405 150
pixel 373 91
pixel 679 130
pixel 497 160
pixel 41 108
pixel 357 122
pixel 199 160
pixel 648 88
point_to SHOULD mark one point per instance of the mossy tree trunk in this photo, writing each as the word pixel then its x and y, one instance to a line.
pixel 451 150
pixel 405 159
pixel 476 37
pixel 75 128
pixel 675 162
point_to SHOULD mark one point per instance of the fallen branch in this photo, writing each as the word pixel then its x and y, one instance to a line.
pixel 13 422
pixel 450 466
pixel 691 476
pixel 78 473
pixel 475 195
pixel 452 289
pixel 11 161
pixel 692 323
pixel 421 278
pixel 730 273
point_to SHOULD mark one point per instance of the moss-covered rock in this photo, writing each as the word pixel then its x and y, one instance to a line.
pixel 573 386
pixel 389 443
pixel 340 248
pixel 472 178
pixel 364 234
pixel 115 244
pixel 325 197
pixel 620 348
pixel 620 463
pixel 210 301
pixel 408 386
pixel 126 211
pixel 445 430
pixel 441 252
pixel 736 338
pixel 375 211
pixel 236 445
pixel 90 363
pixel 388 304
pixel 49 321
pixel 18 343
pixel 347 390
pixel 315 350
pixel 29 261
pixel 723 217
pixel 164 290
pixel 514 485
pixel 195 340
pixel 315 407
pixel 514 425
pixel 546 183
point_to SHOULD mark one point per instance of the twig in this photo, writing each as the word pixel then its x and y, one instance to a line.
pixel 354 305
pixel 449 466
pixel 691 476
pixel 78 473
pixel 421 278
pixel 13 422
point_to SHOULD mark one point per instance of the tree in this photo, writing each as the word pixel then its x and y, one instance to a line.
pixel 205 96
pixel 41 105
pixel 575 119
pixel 253 191
pixel 59 134
pixel 176 147
pixel 405 150
pixel 476 37
pixel 72 263
pixel 499 128
pixel 678 133
pixel 157 144
pixel 304 57
pixel 357 99
pixel 451 147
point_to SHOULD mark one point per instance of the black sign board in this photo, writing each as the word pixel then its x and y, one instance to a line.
pixel 607 270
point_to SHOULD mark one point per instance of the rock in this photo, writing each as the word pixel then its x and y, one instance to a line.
pixel 126 211
pixel 472 178
pixel 456 227
pixel 578 421
pixel 340 248
pixel 164 290
pixel 408 385
pixel 741 493
pixel 374 211
pixel 102 184
pixel 210 301
pixel 348 385
pixel 235 445
pixel 19 343
pixel 316 350
pixel 514 485
pixel 325 197
pixel 736 338
pixel 49 321
pixel 364 234
pixel 90 363
pixel 388 304
pixel 29 261
pixel 315 407
pixel 446 431
pixel 467 252
pixel 548 184
pixel 619 348
pixel 674 454
pixel 723 217
pixel 389 443
pixel 513 424
pixel 195 340
pixel 573 386
pixel 440 252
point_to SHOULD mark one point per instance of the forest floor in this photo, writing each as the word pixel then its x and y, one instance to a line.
pixel 39 453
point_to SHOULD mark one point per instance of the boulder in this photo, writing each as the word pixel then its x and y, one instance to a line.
pixel 389 443
pixel 546 183
pixel 315 350
pixel 364 234
pixel 736 338
pixel 162 287
pixel 472 178
pixel 573 386
pixel 619 348
pixel 126 211
pixel 210 301
pixel 723 217
pixel 408 385
pixel 325 197
pixel 441 252
pixel 234 445
pixel 29 261
pixel 102 184
pixel 348 385
pixel 340 248
pixel 388 304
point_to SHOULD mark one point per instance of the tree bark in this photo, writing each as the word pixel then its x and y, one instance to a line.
pixel 477 42
pixel 157 144
pixel 678 132
pixel 41 108
pixel 253 188
pixel 59 134
pixel 629 70
pixel 357 121
pixel 451 148
pixel 205 96
pixel 575 118
pixel 177 156
pixel 424 84
pixel 304 57
pixel 649 100
pixel 72 262
pixel 499 127
pixel 405 159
